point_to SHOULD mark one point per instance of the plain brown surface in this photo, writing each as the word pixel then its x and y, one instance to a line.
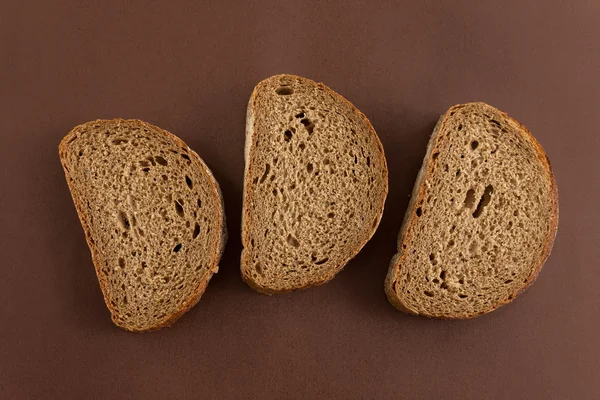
pixel 189 67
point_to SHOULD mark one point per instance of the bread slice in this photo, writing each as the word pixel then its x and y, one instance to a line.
pixel 314 188
pixel 153 217
pixel 481 221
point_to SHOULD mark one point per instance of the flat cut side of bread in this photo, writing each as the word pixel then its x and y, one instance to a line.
pixel 481 221
pixel 314 187
pixel 153 218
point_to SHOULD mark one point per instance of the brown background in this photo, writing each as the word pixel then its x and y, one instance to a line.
pixel 189 67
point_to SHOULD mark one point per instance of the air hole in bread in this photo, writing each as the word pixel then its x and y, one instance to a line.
pixel 308 125
pixel 302 146
pixel 292 241
pixel 287 135
pixel 463 296
pixel 160 160
pixel 300 115
pixel 428 293
pixel 177 248
pixel 473 247
pixel 258 268
pixel 460 127
pixel 121 262
pixel 179 208
pixel 484 201
pixel 493 121
pixel 266 173
pixel 331 215
pixel 196 231
pixel 322 261
pixel 309 168
pixel 470 199
pixel 435 155
pixel 284 91
pixel 474 144
pixel 123 220
pixel 189 182
pixel 185 156
pixel 118 142
pixel 419 212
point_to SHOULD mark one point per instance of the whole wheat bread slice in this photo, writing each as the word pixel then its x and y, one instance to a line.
pixel 153 217
pixel 314 188
pixel 481 221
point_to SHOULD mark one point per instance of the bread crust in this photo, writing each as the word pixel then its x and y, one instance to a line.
pixel 195 158
pixel 418 194
pixel 246 275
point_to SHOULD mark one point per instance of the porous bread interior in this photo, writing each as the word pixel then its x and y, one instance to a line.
pixel 483 221
pixel 315 184
pixel 152 215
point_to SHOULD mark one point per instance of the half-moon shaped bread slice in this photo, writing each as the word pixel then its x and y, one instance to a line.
pixel 481 221
pixel 153 217
pixel 314 188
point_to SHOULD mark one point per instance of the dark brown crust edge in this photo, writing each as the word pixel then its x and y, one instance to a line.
pixel 417 194
pixel 246 277
pixel 195 297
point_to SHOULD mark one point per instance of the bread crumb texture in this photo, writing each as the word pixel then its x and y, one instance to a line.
pixel 153 217
pixel 315 184
pixel 482 218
